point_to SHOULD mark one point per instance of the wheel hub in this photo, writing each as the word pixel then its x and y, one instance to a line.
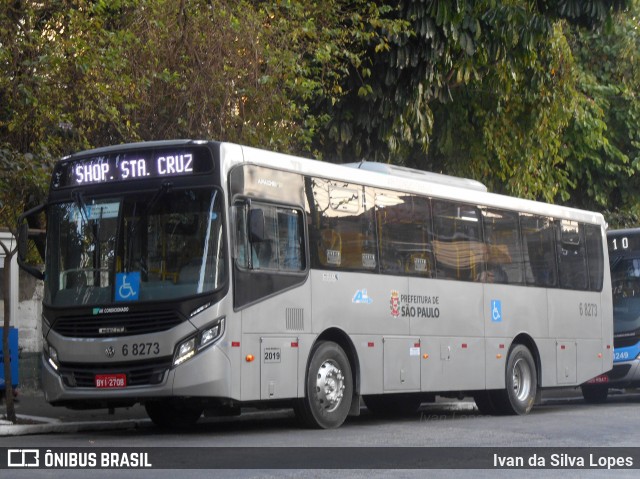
pixel 330 385
pixel 521 379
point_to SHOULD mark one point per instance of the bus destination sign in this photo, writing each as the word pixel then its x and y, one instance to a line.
pixel 622 243
pixel 136 165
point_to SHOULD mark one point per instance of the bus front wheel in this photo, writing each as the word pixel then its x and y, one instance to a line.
pixel 328 388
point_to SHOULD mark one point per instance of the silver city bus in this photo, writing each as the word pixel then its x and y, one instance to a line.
pixel 197 276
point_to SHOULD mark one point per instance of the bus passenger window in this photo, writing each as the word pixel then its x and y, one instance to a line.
pixel 538 246
pixel 595 256
pixel 503 250
pixel 404 223
pixel 343 228
pixel 572 261
pixel 458 246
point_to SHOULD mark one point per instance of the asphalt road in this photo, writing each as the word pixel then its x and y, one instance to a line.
pixel 446 432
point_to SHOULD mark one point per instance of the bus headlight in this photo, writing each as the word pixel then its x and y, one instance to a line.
pixel 52 355
pixel 203 339
pixel 186 351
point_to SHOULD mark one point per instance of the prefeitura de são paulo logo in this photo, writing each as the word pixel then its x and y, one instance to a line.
pixel 394 304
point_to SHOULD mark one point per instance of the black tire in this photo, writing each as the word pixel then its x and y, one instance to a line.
pixel 328 388
pixel 393 405
pixel 173 413
pixel 521 381
pixel 594 394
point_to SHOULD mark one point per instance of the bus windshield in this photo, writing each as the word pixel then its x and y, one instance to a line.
pixel 625 279
pixel 150 246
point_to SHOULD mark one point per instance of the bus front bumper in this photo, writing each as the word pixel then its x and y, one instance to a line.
pixel 624 374
pixel 206 375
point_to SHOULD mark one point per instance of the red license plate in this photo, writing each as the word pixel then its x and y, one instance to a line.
pixel 603 378
pixel 111 381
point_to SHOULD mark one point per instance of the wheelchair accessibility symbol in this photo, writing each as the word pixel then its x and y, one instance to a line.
pixel 496 311
pixel 127 286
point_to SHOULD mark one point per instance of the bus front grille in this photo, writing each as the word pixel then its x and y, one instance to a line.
pixel 116 325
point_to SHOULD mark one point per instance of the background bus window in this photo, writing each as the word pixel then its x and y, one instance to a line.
pixel 458 246
pixel 344 224
pixel 404 223
pixel 595 257
pixel 504 252
pixel 625 281
pixel 538 246
pixel 572 258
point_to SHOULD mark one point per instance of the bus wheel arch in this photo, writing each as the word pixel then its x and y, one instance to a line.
pixel 522 378
pixel 527 341
pixel 330 382
pixel 342 339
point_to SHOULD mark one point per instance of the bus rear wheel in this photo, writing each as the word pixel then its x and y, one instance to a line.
pixel 521 383
pixel 173 413
pixel 328 388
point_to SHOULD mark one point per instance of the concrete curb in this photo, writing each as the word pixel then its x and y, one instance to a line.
pixel 54 426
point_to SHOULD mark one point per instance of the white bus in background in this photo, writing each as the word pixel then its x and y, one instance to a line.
pixel 195 276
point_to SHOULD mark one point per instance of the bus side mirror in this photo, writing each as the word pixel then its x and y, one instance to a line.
pixel 256 226
pixel 23 242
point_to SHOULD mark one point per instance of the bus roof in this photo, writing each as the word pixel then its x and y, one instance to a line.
pixel 624 232
pixel 404 172
pixel 466 191
pixel 371 174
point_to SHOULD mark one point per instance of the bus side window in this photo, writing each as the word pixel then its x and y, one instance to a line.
pixel 595 257
pixel 241 246
pixel 290 240
pixel 458 245
pixel 343 228
pixel 504 253
pixel 538 246
pixel 404 223
pixel 272 235
pixel 263 237
pixel 572 260
pixel 330 247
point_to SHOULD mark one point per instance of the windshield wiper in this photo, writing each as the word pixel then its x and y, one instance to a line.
pixel 78 199
pixel 164 188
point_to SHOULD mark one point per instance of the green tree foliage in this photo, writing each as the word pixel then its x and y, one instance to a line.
pixel 485 89
pixel 535 98
pixel 603 139
pixel 61 89
pixel 210 69
pixel 508 129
